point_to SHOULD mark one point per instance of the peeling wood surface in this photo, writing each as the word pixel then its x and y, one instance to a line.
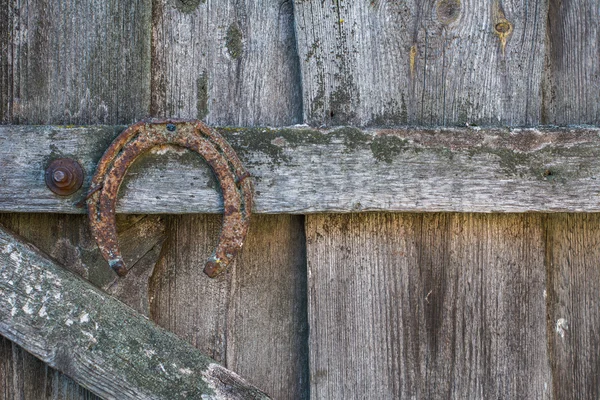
pixel 427 306
pixel 444 62
pixel 112 350
pixel 300 170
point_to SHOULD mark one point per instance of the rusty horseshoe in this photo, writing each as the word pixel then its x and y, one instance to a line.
pixel 194 135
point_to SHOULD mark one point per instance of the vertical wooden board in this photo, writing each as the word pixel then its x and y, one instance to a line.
pixel 182 298
pixel 71 62
pixel 573 251
pixel 228 62
pixel 572 84
pixel 268 327
pixel 24 377
pixel 427 306
pixel 75 62
pixel 253 318
pixel 5 68
pixel 448 62
pixel 231 63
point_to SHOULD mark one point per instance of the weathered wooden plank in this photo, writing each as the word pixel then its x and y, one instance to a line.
pixel 74 62
pixel 24 377
pixel 68 240
pixel 427 306
pixel 571 89
pixel 253 318
pixel 299 170
pixel 228 62
pixel 267 328
pixel 573 298
pixel 103 344
pixel 182 298
pixel 443 62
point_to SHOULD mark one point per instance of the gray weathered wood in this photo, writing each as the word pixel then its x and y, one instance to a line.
pixel 74 62
pixel 299 170
pixel 573 251
pixel 254 317
pixel 24 377
pixel 182 298
pixel 68 240
pixel 69 62
pixel 431 63
pixel 101 343
pixel 427 306
pixel 571 89
pixel 229 62
pixel 267 327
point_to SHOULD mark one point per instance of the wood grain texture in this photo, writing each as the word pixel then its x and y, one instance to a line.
pixel 427 306
pixel 253 318
pixel 68 240
pixel 74 62
pixel 445 62
pixel 182 298
pixel 267 328
pixel 572 85
pixel 228 62
pixel 74 327
pixel 24 377
pixel 299 170
pixel 573 250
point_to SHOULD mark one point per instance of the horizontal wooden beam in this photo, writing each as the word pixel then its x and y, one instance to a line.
pixel 301 170
pixel 101 343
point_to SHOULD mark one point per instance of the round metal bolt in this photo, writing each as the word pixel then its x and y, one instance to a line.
pixel 59 176
pixel 64 176
pixel 171 127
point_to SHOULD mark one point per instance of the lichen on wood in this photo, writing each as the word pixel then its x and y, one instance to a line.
pixel 101 343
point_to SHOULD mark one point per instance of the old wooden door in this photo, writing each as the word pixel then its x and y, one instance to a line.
pixel 423 304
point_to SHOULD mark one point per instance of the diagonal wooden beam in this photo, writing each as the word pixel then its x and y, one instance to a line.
pixel 101 343
pixel 301 170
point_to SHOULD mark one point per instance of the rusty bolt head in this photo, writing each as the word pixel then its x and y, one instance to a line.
pixel 64 176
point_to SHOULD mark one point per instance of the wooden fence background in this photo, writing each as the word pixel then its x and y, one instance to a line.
pixel 365 305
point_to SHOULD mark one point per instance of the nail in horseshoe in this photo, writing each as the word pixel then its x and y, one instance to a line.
pixel 193 135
